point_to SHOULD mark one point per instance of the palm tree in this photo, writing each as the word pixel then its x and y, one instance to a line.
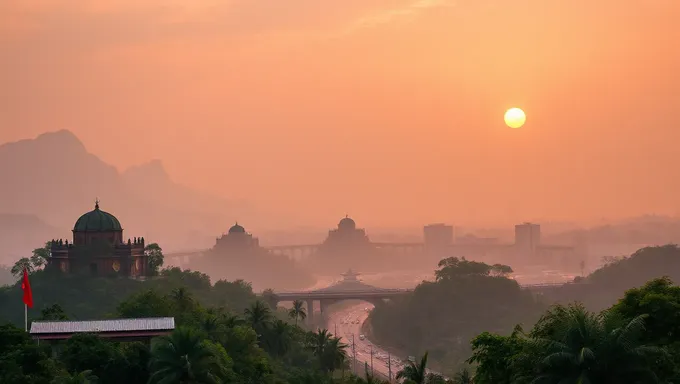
pixel 417 373
pixel 319 341
pixel 334 354
pixel 231 320
pixel 258 317
pixel 463 377
pixel 278 338
pixel 84 377
pixel 182 298
pixel 211 325
pixel 298 311
pixel 183 357
pixel 583 347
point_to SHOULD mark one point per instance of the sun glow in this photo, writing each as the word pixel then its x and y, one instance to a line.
pixel 515 118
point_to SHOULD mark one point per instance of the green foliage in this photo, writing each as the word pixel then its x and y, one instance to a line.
pixel 53 312
pixel 570 344
pixel 212 344
pixel 154 254
pixel 89 297
pixel 297 311
pixel 606 285
pixel 36 262
pixel 442 317
pixel 21 264
pixel 185 356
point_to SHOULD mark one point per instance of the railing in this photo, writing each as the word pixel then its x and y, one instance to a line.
pixel 395 290
pixel 385 290
pixel 541 285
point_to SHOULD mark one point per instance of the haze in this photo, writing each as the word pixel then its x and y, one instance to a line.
pixel 389 110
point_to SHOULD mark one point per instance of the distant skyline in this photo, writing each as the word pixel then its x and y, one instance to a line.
pixel 388 110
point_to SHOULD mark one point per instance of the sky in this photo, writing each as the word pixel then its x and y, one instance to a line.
pixel 390 111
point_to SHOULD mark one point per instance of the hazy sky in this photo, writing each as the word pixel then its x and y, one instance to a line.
pixel 389 110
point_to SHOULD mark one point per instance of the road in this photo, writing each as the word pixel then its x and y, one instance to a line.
pixel 348 322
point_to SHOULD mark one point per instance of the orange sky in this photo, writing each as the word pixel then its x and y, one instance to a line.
pixel 389 110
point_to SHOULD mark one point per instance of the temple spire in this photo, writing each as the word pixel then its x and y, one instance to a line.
pixel 96 203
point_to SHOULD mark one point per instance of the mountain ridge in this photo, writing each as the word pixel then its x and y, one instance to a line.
pixel 55 179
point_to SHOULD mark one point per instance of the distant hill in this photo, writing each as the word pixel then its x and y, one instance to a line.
pixel 20 234
pixel 657 230
pixel 52 180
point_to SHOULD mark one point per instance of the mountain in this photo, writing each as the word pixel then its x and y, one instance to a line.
pixel 53 179
pixel 20 234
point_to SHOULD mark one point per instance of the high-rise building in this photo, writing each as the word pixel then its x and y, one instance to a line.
pixel 527 236
pixel 438 236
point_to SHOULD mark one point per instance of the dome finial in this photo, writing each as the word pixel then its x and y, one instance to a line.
pixel 96 203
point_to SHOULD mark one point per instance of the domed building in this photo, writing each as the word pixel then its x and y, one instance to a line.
pixel 98 247
pixel 346 247
pixel 237 255
pixel 237 238
pixel 347 235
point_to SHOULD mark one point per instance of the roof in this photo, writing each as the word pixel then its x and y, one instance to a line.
pixel 348 286
pixel 237 229
pixel 95 326
pixel 347 223
pixel 97 221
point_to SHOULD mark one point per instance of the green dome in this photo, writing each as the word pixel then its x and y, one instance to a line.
pixel 97 221
pixel 237 229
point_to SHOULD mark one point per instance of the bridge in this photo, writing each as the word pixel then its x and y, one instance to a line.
pixel 353 289
pixel 349 288
pixel 328 297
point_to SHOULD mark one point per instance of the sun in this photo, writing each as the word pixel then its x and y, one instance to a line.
pixel 515 118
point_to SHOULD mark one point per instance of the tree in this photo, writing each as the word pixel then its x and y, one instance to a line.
pixel 147 303
pixel 89 352
pixel 40 255
pixel 329 350
pixel 501 270
pixel 496 357
pixel 258 317
pixel 53 312
pixel 463 376
pixel 659 299
pixel 154 254
pixel 278 338
pixel 415 372
pixel 580 346
pixel 84 377
pixel 18 268
pixel 334 355
pixel 467 299
pixel 182 299
pixel 269 297
pixel 297 311
pixel 183 357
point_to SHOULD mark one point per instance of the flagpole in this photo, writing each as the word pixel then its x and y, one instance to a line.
pixel 25 317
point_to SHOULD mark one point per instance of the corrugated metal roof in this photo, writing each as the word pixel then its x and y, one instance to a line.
pixel 115 325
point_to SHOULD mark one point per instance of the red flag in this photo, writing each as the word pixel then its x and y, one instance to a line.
pixel 26 286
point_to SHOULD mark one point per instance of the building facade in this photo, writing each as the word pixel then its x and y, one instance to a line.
pixel 527 237
pixel 237 239
pixel 98 248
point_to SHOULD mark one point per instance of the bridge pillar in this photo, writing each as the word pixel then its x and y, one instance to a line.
pixel 323 304
pixel 310 311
